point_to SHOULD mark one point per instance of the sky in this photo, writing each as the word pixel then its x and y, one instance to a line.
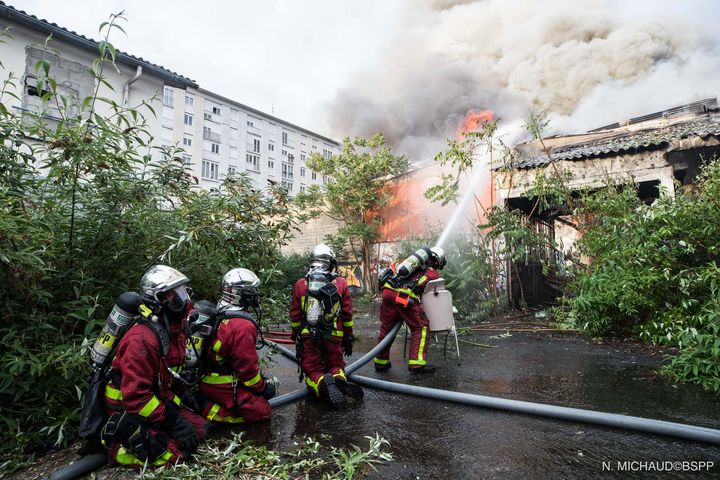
pixel 413 68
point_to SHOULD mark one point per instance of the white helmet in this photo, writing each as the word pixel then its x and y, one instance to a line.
pixel 438 254
pixel 240 289
pixel 158 283
pixel 323 258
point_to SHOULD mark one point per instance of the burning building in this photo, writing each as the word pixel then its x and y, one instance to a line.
pixel 662 151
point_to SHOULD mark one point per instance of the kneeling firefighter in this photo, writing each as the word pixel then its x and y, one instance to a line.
pixel 232 388
pixel 401 294
pixel 147 422
pixel 322 327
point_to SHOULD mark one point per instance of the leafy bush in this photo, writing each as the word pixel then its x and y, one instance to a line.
pixel 654 272
pixel 87 204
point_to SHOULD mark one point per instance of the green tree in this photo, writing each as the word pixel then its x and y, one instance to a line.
pixel 359 188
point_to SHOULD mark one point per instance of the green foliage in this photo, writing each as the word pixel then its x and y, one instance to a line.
pixel 359 188
pixel 236 459
pixel 654 272
pixel 86 206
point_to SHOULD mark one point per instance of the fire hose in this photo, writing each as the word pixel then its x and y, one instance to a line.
pixel 93 462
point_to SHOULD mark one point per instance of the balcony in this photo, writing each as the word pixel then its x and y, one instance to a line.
pixel 213 137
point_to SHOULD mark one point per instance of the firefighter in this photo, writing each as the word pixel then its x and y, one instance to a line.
pixel 147 422
pixel 401 294
pixel 233 390
pixel 322 326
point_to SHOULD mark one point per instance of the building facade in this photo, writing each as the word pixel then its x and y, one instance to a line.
pixel 71 56
pixel 220 137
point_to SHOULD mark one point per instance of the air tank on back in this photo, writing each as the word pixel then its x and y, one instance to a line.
pixel 411 264
pixel 123 313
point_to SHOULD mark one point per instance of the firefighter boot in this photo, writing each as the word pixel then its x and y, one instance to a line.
pixel 330 392
pixel 349 389
pixel 423 369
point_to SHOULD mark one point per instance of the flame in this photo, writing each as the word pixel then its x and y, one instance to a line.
pixel 472 120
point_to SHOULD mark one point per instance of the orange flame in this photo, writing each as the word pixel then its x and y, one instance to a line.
pixel 472 120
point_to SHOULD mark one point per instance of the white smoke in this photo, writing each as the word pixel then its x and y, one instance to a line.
pixel 584 64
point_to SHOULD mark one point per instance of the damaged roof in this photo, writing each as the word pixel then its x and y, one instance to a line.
pixel 73 38
pixel 625 141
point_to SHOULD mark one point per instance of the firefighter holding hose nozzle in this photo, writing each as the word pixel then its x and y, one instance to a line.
pixel 401 295
pixel 322 326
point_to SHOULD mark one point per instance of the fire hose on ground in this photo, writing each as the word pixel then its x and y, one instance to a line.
pixel 614 420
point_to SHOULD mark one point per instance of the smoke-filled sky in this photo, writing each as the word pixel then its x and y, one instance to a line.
pixel 413 68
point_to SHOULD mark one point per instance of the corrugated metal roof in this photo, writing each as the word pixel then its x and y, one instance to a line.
pixel 31 21
pixel 626 141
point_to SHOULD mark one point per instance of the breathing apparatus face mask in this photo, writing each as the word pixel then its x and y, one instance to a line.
pixel 176 300
pixel 316 280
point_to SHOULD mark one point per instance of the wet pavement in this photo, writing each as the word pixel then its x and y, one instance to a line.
pixel 435 439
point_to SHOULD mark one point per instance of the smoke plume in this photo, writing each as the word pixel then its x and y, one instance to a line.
pixel 584 64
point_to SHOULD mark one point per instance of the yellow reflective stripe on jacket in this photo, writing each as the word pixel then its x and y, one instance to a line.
pixel 348 323
pixel 113 393
pixel 337 333
pixel 406 291
pixel 295 324
pixel 176 400
pixel 217 379
pixel 149 407
pixel 381 361
pixel 220 419
pixel 217 345
pixel 421 280
pixel 253 380
pixel 124 457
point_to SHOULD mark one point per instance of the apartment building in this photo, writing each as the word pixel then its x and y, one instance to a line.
pixel 221 136
pixel 70 56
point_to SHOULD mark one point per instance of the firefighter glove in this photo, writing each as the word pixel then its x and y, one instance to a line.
pixel 181 430
pixel 347 345
pixel 269 391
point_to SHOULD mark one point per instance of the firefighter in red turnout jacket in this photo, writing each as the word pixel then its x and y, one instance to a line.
pixel 401 295
pixel 322 326
pixel 147 422
pixel 233 390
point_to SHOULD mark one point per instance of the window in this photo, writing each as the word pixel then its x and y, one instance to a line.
pixel 210 170
pixel 216 110
pixel 271 147
pixel 302 156
pixel 284 153
pixel 302 188
pixel 187 120
pixel 326 179
pixel 189 100
pixel 250 123
pixel 314 176
pixel 271 164
pixel 168 96
pixel 287 185
pixel 287 170
pixel 207 116
pixel 291 158
pixel 302 172
pixel 187 159
pixel 256 145
pixel 187 141
pixel 284 138
pixel 231 170
pixel 253 162
pixel 215 147
pixel 326 153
